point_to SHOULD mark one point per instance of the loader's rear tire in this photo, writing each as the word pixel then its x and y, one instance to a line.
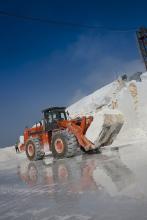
pixel 64 144
pixel 33 149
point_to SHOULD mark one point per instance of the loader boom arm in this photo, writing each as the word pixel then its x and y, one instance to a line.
pixel 79 128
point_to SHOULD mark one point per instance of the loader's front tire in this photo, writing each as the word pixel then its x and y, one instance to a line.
pixel 64 144
pixel 33 149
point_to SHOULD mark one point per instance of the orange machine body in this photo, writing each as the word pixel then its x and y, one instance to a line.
pixel 77 126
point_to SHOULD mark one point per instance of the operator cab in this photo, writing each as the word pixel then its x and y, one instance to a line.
pixel 52 115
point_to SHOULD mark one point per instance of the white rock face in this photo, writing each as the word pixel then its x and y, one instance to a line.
pixel 128 97
pixel 88 104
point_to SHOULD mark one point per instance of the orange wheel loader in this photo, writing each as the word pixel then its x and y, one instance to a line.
pixel 58 134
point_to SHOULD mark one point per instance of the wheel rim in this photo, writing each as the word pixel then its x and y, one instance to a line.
pixel 59 146
pixel 30 150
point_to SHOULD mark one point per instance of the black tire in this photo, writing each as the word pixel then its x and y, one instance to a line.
pixel 68 144
pixel 36 153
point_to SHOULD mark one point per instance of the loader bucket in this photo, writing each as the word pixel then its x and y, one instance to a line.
pixel 105 127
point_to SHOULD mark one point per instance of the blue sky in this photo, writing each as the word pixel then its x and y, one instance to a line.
pixel 43 65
